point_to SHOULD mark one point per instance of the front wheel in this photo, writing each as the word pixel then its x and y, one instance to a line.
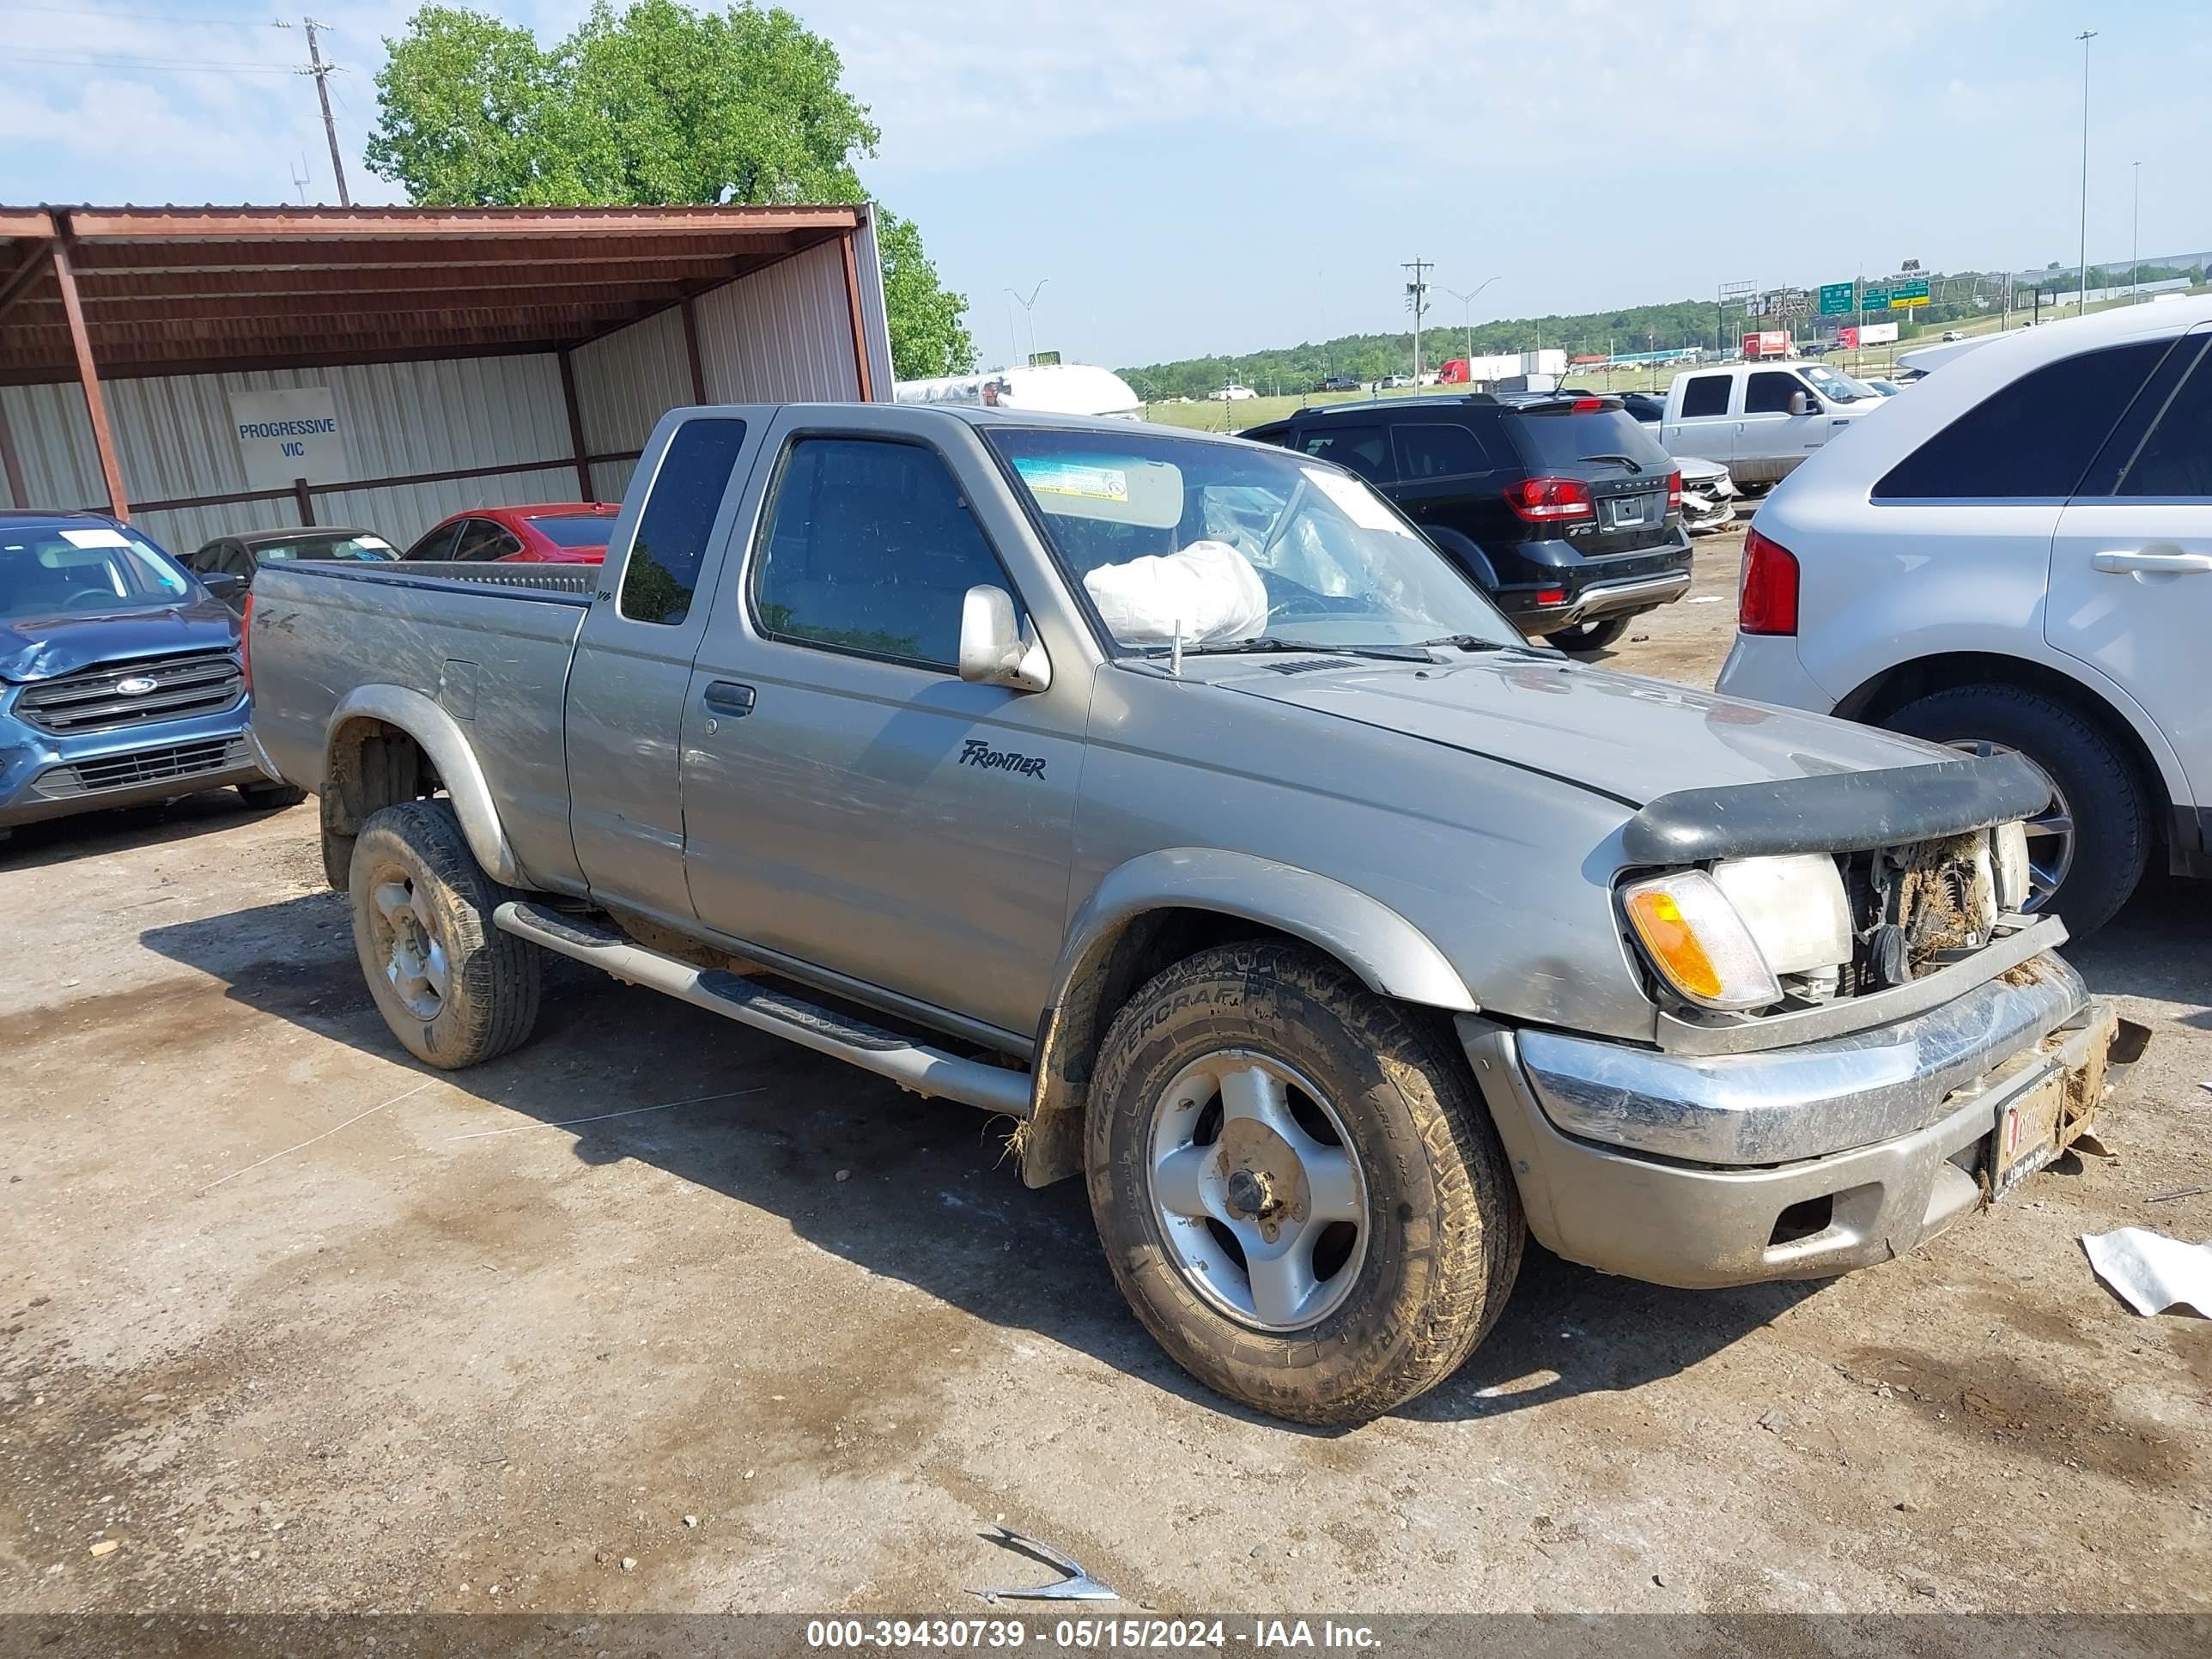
pixel 1300 1193
pixel 1589 636
pixel 454 989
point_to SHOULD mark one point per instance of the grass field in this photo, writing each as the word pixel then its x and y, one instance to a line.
pixel 1879 359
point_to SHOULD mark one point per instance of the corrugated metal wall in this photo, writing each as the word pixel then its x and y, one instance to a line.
pixel 874 317
pixel 627 381
pixel 783 334
pixel 173 439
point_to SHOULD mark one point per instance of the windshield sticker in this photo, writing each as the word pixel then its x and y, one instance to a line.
pixel 1359 504
pixel 372 541
pixel 94 538
pixel 1058 478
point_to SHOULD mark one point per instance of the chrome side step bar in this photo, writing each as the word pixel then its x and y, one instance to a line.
pixel 922 1070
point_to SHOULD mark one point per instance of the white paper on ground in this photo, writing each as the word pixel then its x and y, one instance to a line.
pixel 2151 1271
pixel 1209 590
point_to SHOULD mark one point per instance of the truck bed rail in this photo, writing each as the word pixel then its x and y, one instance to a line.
pixel 561 584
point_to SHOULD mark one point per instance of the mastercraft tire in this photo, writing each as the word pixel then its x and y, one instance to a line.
pixel 1589 636
pixel 454 989
pixel 2089 848
pixel 1299 1191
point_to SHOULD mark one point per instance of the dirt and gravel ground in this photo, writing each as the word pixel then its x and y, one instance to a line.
pixel 660 1314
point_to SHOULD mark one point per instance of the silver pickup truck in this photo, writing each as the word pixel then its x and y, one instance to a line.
pixel 1172 797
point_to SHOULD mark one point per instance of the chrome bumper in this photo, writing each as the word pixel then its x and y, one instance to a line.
pixel 1805 1101
pixel 1609 598
pixel 1792 1163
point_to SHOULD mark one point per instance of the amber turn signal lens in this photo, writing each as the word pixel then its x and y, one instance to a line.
pixel 1698 942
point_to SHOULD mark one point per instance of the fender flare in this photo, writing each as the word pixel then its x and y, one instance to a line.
pixel 442 739
pixel 1391 956
pixel 1462 550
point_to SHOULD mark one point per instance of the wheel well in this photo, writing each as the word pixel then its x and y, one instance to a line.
pixel 371 765
pixel 1070 1034
pixel 1890 690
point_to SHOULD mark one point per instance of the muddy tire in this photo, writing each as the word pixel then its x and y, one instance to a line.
pixel 454 989
pixel 1255 1106
pixel 1589 636
pixel 270 795
pixel 2089 847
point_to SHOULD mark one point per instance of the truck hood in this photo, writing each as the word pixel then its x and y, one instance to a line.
pixel 1631 738
pixel 43 648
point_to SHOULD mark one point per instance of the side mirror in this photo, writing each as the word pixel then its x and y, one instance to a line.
pixel 1800 403
pixel 994 651
pixel 226 586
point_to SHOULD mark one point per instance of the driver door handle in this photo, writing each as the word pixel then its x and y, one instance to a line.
pixel 728 697
pixel 2154 564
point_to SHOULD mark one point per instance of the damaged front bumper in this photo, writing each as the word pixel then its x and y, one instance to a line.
pixel 1796 1162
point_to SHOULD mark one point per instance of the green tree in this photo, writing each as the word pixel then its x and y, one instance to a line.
pixel 653 104
pixel 935 338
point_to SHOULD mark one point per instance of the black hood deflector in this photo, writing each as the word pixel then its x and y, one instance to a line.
pixel 1839 812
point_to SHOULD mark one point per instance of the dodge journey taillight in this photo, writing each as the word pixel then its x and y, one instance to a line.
pixel 1674 491
pixel 1543 500
pixel 1766 598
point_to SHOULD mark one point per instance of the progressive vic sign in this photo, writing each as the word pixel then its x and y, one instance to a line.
pixel 290 434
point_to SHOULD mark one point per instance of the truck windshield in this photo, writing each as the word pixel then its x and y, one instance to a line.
pixel 1220 544
pixel 1839 388
pixel 74 570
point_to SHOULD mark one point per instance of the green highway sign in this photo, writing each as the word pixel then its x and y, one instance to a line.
pixel 1836 299
pixel 1874 299
pixel 1912 292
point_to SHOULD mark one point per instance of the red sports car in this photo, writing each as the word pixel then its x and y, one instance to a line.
pixel 550 532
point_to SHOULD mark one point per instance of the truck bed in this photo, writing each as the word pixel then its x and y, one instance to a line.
pixel 489 644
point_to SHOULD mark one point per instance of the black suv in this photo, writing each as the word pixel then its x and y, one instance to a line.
pixel 1561 505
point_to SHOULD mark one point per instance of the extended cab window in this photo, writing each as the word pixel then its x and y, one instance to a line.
pixel 1436 450
pixel 870 546
pixel 2031 440
pixel 1770 391
pixel 1706 394
pixel 1364 449
pixel 670 544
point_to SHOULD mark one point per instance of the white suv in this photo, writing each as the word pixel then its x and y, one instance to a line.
pixel 2019 555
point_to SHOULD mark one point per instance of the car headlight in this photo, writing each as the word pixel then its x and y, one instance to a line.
pixel 1698 942
pixel 1793 907
pixel 2008 851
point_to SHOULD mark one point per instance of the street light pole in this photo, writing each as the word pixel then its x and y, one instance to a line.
pixel 2085 37
pixel 1467 316
pixel 1029 307
pixel 2135 240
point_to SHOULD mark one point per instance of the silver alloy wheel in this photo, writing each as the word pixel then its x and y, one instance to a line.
pixel 407 939
pixel 1231 1162
pixel 2049 832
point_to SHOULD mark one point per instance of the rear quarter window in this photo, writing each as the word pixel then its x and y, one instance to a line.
pixel 2031 440
pixel 670 544
pixel 1705 395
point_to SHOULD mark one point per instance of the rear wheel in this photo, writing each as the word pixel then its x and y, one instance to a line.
pixel 1299 1191
pixel 454 989
pixel 2087 848
pixel 1589 636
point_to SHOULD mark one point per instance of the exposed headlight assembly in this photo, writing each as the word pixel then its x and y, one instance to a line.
pixel 1697 942
pixel 2009 855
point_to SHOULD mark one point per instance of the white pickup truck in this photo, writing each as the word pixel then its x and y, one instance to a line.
pixel 1761 419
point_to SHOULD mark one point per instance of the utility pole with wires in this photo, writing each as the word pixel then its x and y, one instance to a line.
pixel 322 72
pixel 1417 301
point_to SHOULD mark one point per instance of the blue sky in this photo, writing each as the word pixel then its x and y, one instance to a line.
pixel 1233 174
